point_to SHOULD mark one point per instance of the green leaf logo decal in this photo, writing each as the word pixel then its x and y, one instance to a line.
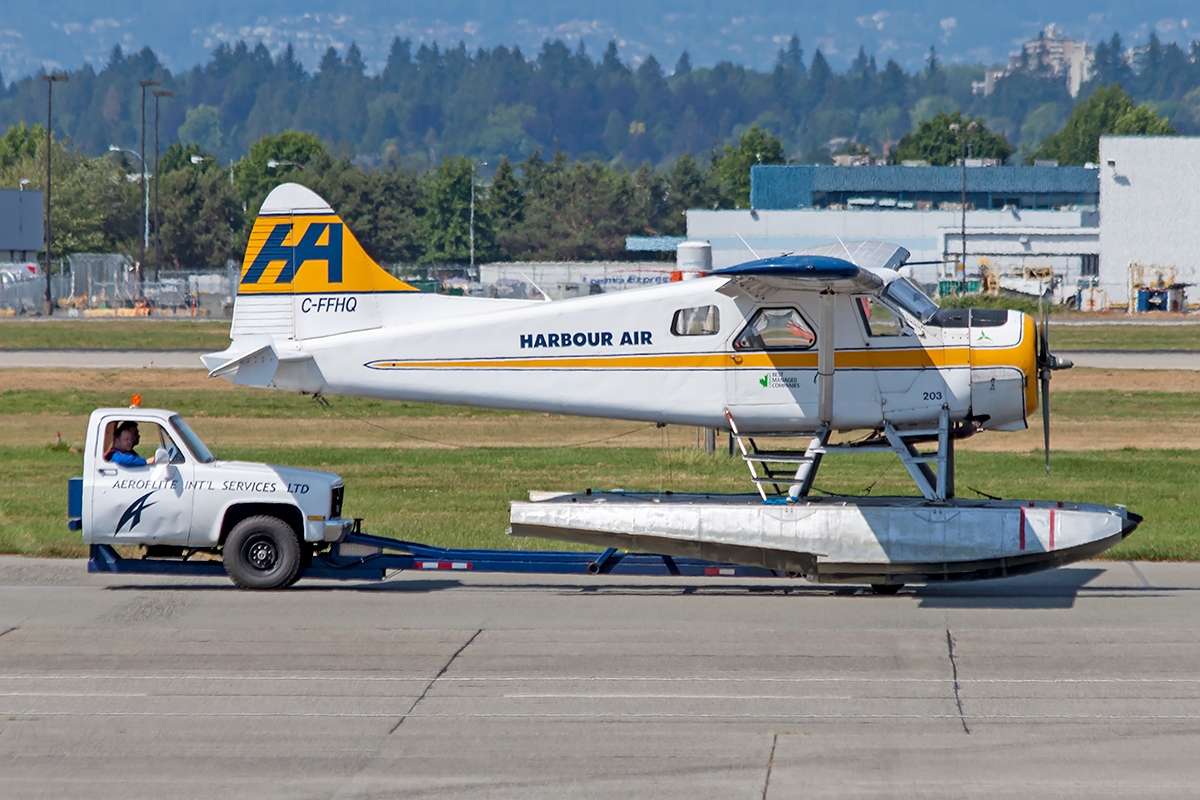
pixel 764 380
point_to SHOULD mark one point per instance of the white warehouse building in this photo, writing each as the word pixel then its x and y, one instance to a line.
pixel 1140 205
pixel 1149 210
pixel 1067 240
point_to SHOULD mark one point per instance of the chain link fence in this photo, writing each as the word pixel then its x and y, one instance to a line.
pixel 98 284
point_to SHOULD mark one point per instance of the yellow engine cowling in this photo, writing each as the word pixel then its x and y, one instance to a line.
pixel 1003 368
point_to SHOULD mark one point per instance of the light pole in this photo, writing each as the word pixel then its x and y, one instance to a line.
pixel 112 148
pixel 50 81
pixel 145 187
pixel 158 93
pixel 962 137
pixel 472 230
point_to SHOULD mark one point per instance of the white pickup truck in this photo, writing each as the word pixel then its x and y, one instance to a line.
pixel 266 521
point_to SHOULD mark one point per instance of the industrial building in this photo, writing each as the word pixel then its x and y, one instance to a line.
pixel 1150 210
pixel 1121 226
pixel 1016 217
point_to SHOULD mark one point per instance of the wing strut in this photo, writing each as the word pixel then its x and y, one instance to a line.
pixel 825 359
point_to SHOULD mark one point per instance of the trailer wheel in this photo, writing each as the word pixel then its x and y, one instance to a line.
pixel 262 553
pixel 886 588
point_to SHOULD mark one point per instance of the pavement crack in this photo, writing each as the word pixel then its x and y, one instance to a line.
pixel 770 765
pixel 957 694
pixel 7 631
pixel 429 685
pixel 1140 576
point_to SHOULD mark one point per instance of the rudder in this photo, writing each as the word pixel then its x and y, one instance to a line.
pixel 304 274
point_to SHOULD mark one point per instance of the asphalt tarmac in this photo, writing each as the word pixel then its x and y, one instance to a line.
pixel 1082 682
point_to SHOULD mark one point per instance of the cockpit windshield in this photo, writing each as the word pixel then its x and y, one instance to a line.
pixel 909 297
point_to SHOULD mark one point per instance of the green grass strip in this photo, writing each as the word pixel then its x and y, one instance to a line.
pixel 460 498
pixel 103 334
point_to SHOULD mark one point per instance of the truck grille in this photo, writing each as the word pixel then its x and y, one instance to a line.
pixel 335 503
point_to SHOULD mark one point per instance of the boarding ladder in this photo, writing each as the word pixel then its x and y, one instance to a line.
pixel 791 471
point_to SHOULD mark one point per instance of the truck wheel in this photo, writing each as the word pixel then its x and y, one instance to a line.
pixel 262 553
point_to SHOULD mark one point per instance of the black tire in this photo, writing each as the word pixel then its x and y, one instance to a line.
pixel 262 553
pixel 886 588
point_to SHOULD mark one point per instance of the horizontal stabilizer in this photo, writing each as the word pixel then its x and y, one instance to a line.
pixel 258 362
pixel 241 351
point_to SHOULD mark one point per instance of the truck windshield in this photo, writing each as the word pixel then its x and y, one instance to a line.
pixel 202 453
pixel 905 294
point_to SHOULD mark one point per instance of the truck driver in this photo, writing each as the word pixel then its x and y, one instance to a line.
pixel 125 438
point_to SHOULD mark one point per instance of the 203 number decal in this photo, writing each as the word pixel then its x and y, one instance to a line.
pixel 932 395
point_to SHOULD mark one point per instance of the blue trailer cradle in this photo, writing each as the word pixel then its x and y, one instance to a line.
pixel 370 557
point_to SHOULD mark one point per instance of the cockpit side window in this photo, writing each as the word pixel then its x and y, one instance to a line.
pixel 776 329
pixel 699 321
pixel 878 319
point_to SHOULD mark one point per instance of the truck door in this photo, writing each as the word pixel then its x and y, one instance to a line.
pixel 141 504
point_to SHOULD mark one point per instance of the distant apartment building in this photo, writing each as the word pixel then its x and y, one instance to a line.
pixel 1050 54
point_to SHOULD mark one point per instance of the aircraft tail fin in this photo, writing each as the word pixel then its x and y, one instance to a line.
pixel 305 275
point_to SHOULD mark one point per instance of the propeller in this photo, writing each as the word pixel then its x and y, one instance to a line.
pixel 1047 362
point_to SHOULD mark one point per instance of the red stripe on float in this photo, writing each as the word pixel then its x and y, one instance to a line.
pixel 1052 529
pixel 1022 529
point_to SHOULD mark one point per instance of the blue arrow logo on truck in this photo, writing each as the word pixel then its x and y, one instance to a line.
pixel 134 512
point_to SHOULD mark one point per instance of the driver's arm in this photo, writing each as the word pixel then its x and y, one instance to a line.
pixel 127 459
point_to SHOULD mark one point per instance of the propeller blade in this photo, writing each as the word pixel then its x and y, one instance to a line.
pixel 1046 417
pixel 1045 362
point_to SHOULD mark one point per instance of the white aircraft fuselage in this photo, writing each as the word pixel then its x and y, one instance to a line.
pixel 680 353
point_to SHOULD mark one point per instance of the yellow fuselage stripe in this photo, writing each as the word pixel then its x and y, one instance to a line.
pixel 846 359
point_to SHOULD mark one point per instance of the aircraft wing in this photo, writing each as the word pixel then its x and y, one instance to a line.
pixel 805 272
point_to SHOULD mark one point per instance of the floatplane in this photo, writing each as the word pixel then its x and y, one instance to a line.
pixel 801 348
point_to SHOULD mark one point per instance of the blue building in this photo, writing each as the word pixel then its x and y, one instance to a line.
pixel 786 187
pixel 21 229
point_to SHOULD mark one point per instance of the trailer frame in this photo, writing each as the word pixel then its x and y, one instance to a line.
pixel 368 559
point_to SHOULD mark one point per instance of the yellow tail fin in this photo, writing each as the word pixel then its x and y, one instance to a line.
pixel 300 246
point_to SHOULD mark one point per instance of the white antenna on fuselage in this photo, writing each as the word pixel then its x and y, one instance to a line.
pixel 534 285
pixel 849 257
pixel 748 247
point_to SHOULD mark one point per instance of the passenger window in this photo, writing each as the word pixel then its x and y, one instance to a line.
pixel 776 329
pixel 699 321
pixel 877 318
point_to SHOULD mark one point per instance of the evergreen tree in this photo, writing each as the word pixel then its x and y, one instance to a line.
pixel 687 185
pixel 683 66
pixel 935 142
pixel 1110 110
pixel 505 208
pixel 446 196
pixel 732 166
pixel 20 143
pixel 200 213
pixel 271 160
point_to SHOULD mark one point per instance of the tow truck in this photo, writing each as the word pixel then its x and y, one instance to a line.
pixel 268 526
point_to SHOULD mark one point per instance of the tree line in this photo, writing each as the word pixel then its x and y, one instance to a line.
pixel 431 102
pixel 539 208
pixel 542 207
